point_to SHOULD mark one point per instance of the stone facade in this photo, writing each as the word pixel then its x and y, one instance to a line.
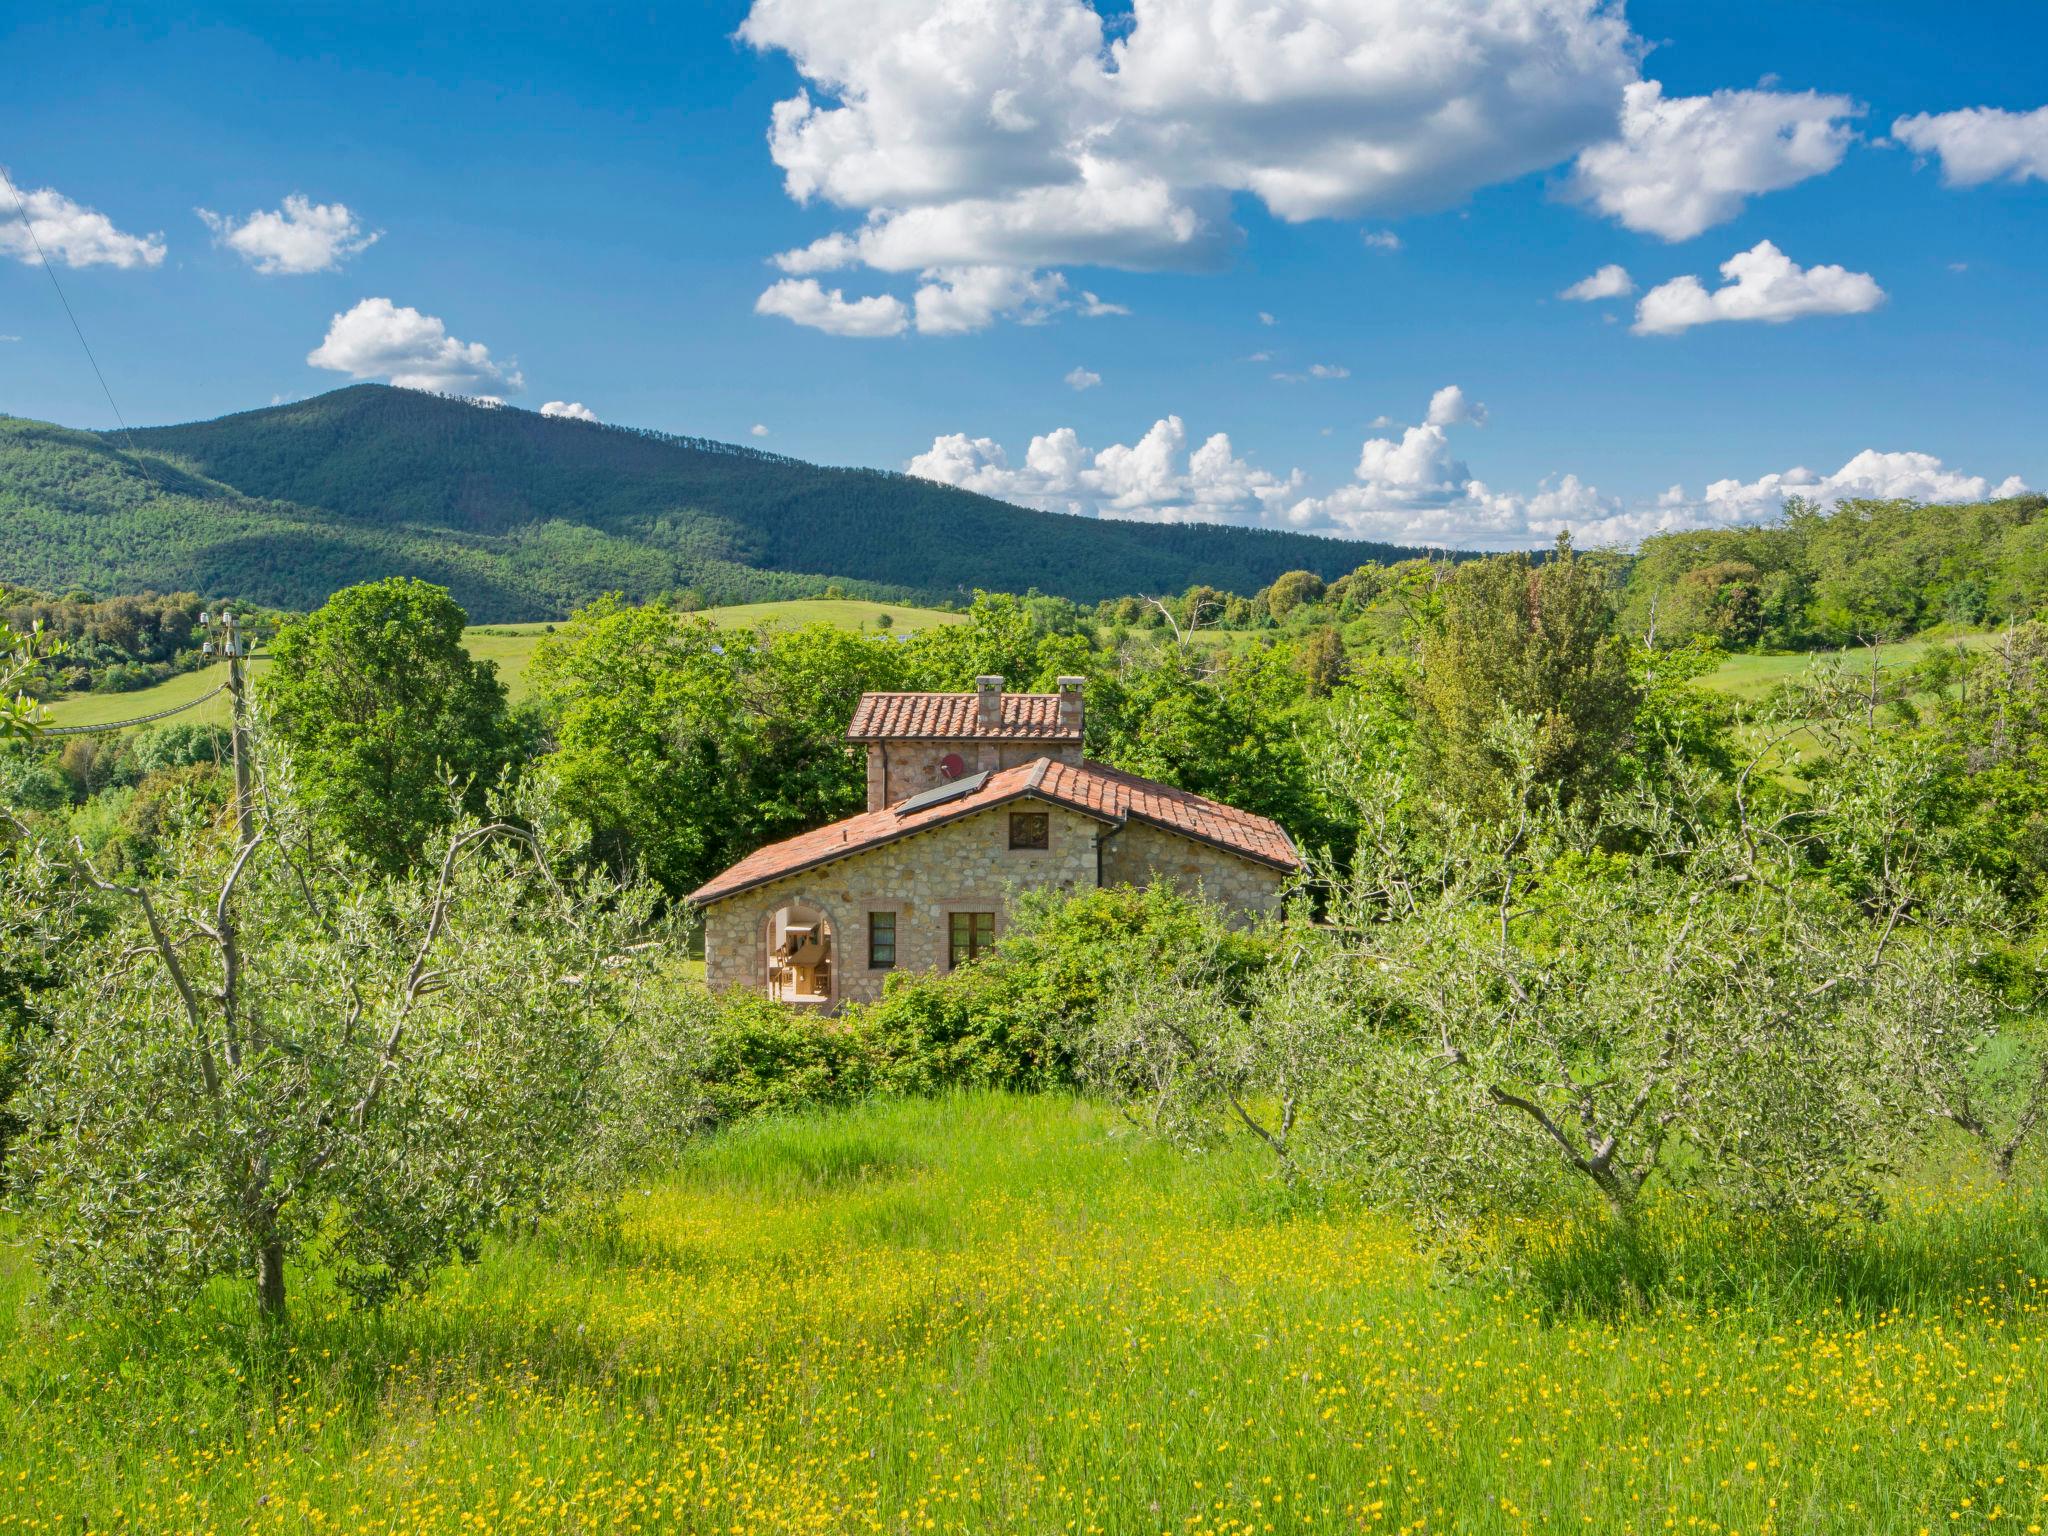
pixel 1139 854
pixel 1100 827
pixel 899 769
pixel 961 866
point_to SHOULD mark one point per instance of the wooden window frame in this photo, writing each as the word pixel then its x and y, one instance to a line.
pixel 1044 820
pixel 895 939
pixel 980 936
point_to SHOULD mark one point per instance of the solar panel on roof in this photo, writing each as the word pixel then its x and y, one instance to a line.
pixel 943 793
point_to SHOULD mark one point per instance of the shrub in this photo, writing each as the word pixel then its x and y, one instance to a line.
pixel 1009 1020
pixel 763 1057
pixel 981 1026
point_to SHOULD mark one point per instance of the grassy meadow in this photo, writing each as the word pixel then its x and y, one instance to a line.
pixel 509 645
pixel 1752 677
pixel 999 1314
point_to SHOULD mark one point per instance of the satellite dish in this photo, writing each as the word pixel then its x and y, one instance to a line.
pixel 952 765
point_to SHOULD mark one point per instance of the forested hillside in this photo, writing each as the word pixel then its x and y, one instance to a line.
pixel 525 516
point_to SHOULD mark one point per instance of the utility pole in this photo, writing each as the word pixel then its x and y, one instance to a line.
pixel 234 646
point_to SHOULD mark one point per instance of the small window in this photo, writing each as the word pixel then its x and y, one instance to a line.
pixel 1030 829
pixel 971 933
pixel 881 941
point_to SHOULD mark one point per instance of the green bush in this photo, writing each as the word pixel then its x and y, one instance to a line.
pixel 1004 1021
pixel 765 1057
pixel 982 1026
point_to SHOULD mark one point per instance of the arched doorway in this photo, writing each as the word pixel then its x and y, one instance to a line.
pixel 801 954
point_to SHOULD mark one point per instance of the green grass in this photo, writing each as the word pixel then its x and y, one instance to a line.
pixel 101 708
pixel 1004 1315
pixel 841 612
pixel 509 645
pixel 1752 677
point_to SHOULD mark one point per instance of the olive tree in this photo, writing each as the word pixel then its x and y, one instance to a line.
pixel 1504 1006
pixel 1920 827
pixel 268 1053
pixel 22 655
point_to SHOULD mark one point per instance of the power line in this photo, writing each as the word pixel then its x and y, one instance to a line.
pixel 29 224
pixel 122 725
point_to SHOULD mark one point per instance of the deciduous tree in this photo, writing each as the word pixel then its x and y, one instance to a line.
pixel 389 719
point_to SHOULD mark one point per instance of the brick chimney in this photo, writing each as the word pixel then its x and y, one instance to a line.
pixel 1070 705
pixel 989 693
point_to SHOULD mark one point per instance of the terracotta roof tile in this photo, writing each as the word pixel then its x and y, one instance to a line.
pixel 1093 790
pixel 956 717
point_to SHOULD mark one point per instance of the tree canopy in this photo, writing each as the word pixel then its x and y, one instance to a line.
pixel 390 722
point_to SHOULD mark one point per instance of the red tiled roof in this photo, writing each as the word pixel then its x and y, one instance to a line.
pixel 956 717
pixel 1104 793
pixel 1101 791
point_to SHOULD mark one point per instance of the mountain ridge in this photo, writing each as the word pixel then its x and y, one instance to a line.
pixel 525 516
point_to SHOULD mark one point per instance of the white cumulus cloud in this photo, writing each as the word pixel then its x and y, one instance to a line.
pixel 302 236
pixel 1382 240
pixel 828 253
pixel 803 300
pixel 70 233
pixel 757 430
pixel 1762 283
pixel 379 339
pixel 1686 163
pixel 576 410
pixel 1610 282
pixel 1448 407
pixel 1980 144
pixel 1028 135
pixel 1155 479
pixel 955 300
pixel 1413 488
pixel 1083 378
pixel 1871 474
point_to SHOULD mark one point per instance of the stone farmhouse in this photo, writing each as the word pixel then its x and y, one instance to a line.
pixel 972 798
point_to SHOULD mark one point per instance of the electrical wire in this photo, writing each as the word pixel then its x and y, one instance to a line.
pixel 122 725
pixel 30 225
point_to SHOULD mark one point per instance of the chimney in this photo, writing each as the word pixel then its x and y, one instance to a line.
pixel 989 691
pixel 1070 705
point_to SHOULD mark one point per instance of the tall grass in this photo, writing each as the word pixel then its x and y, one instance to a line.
pixel 997 1314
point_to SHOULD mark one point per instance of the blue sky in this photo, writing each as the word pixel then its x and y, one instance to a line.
pixel 584 208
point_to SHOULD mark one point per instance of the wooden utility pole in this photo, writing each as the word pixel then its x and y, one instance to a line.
pixel 235 645
pixel 270 1251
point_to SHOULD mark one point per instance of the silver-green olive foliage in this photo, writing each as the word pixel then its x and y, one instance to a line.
pixel 268 1053
pixel 1769 1008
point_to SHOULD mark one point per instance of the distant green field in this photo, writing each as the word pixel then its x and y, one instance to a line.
pixel 100 708
pixel 509 645
pixel 1751 677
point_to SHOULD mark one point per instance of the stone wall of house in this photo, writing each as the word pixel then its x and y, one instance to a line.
pixel 963 866
pixel 899 769
pixel 1140 854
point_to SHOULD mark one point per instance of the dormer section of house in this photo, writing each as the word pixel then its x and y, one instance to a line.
pixel 919 741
